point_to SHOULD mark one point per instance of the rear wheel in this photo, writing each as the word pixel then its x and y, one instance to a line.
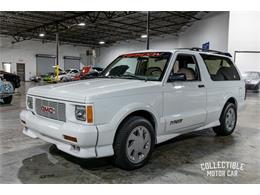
pixel 134 143
pixel 228 120
pixel 8 100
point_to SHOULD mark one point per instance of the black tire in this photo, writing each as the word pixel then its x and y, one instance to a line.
pixel 13 84
pixel 8 100
pixel 120 144
pixel 223 129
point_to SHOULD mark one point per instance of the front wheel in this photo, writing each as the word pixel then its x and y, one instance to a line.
pixel 8 100
pixel 228 120
pixel 134 143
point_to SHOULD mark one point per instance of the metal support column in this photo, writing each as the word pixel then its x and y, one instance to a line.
pixel 147 31
pixel 57 55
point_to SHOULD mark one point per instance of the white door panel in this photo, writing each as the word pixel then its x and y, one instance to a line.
pixel 184 105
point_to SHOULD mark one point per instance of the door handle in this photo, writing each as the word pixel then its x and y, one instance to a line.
pixel 201 86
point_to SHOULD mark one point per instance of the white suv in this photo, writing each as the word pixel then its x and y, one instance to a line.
pixel 139 100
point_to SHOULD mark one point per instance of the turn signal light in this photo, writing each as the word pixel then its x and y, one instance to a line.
pixel 73 139
pixel 90 117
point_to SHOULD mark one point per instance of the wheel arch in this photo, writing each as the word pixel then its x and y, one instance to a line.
pixel 230 99
pixel 142 113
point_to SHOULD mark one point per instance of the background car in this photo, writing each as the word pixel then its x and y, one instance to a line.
pixel 88 72
pixel 47 77
pixel 6 91
pixel 70 73
pixel 35 78
pixel 12 78
pixel 252 80
pixel 51 75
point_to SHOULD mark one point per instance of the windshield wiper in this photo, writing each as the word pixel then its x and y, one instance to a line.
pixel 121 76
pixel 108 77
pixel 132 77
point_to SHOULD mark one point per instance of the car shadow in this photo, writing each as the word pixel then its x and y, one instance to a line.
pixel 180 155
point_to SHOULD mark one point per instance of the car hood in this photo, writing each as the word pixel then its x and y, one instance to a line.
pixel 252 81
pixel 87 90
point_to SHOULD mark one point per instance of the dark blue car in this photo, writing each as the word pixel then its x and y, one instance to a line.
pixel 6 91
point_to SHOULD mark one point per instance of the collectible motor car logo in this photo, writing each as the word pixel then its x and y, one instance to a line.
pixel 222 168
pixel 48 109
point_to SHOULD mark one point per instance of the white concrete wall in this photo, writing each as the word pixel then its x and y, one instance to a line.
pixel 24 52
pixel 213 29
pixel 244 35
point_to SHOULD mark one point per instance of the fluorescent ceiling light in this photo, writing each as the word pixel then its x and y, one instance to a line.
pixel 41 35
pixel 143 36
pixel 82 24
pixel 101 42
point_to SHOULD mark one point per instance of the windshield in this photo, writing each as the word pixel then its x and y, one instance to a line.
pixel 143 66
pixel 252 75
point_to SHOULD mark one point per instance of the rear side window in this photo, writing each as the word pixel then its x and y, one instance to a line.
pixel 220 68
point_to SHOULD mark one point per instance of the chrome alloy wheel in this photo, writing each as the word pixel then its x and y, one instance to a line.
pixel 138 144
pixel 230 119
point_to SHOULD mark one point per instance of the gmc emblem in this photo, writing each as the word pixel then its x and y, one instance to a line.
pixel 48 109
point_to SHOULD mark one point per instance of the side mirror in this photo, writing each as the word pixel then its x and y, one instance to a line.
pixel 177 77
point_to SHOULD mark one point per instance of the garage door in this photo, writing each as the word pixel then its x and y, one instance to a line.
pixel 45 63
pixel 71 62
pixel 248 61
pixel 20 69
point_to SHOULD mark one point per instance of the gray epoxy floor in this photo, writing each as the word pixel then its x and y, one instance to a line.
pixel 25 160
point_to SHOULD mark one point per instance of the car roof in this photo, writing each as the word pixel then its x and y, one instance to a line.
pixel 188 50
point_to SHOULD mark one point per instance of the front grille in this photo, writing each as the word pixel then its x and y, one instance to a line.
pixel 51 109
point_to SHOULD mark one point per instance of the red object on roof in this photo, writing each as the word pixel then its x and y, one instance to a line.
pixel 146 54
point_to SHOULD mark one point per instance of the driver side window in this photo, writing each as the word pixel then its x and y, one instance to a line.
pixel 186 64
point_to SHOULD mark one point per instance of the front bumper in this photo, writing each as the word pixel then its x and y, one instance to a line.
pixel 3 95
pixel 53 131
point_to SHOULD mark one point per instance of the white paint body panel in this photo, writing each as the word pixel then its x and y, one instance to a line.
pixel 115 99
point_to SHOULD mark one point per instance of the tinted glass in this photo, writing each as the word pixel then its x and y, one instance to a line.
pixel 144 66
pixel 220 68
pixel 252 75
pixel 187 65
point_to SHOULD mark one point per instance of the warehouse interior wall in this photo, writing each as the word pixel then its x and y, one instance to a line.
pixel 213 29
pixel 225 31
pixel 244 35
pixel 24 52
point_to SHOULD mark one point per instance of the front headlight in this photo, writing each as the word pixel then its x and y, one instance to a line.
pixel 80 113
pixel 85 113
pixel 30 102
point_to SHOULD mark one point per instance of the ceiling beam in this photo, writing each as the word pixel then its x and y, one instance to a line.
pixel 181 14
pixel 110 26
